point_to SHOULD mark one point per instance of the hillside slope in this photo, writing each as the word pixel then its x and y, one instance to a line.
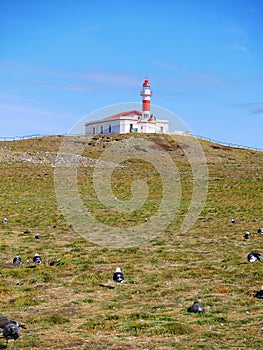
pixel 61 300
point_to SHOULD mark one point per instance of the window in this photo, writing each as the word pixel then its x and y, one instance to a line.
pixel 94 130
pixel 109 129
pixel 101 129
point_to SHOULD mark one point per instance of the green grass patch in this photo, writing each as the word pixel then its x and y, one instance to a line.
pixel 64 306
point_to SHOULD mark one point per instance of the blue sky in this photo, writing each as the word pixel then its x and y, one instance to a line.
pixel 61 60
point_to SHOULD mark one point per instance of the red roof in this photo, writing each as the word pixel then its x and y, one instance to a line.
pixel 124 114
pixel 146 82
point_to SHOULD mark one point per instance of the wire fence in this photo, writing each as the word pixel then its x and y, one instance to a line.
pixel 18 138
pixel 223 143
pixel 228 144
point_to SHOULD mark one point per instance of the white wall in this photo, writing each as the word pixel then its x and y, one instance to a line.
pixel 126 125
pixel 122 126
pixel 162 127
pixel 115 128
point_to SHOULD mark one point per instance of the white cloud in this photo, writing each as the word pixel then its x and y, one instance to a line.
pixel 252 107
pixel 238 37
pixel 80 80
pixel 239 47
pixel 22 109
pixel 234 30
pixel 69 87
pixel 167 65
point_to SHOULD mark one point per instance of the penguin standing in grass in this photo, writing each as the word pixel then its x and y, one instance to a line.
pixel 253 257
pixel 259 294
pixel 118 276
pixel 11 329
pixel 247 235
pixel 17 260
pixel 37 259
pixel 196 307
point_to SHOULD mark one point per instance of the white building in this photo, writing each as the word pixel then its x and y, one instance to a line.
pixel 130 121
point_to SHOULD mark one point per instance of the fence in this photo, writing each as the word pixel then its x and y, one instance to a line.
pixel 223 143
pixel 229 144
pixel 17 138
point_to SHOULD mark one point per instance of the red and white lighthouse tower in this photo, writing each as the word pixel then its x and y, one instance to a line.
pixel 146 94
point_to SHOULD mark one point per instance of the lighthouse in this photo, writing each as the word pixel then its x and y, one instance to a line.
pixel 131 121
pixel 146 94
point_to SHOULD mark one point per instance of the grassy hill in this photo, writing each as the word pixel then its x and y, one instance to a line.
pixel 64 306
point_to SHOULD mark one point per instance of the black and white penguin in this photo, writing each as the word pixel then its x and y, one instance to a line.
pixel 253 257
pixel 259 294
pixel 37 259
pixel 118 276
pixel 247 235
pixel 17 260
pixel 196 307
